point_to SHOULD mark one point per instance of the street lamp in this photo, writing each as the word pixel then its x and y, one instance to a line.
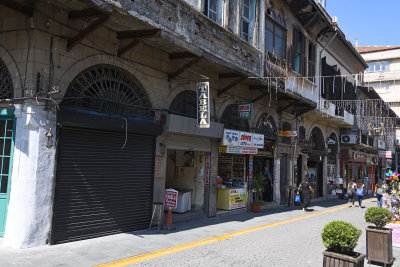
pixel 49 139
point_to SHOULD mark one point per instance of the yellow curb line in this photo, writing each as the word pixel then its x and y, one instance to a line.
pixel 167 251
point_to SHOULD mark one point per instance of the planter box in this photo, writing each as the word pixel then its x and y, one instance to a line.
pixel 255 208
pixel 332 259
pixel 395 233
pixel 379 245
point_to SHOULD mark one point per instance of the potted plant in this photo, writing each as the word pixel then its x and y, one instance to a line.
pixel 340 238
pixel 379 239
pixel 258 186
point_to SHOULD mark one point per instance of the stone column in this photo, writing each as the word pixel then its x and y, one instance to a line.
pixel 32 181
pixel 325 176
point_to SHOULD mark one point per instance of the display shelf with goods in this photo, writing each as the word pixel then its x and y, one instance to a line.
pixel 224 165
pixel 239 171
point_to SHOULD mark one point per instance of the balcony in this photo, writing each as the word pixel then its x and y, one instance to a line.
pixel 328 112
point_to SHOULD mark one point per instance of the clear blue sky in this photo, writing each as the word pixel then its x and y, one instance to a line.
pixel 374 22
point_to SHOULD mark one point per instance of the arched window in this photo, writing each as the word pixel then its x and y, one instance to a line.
pixel 286 127
pixel 231 120
pixel 302 133
pixel 184 104
pixel 266 126
pixel 108 89
pixel 317 138
pixel 6 85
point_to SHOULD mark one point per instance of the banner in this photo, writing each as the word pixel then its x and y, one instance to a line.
pixel 385 154
pixel 242 139
pixel 288 133
pixel 203 104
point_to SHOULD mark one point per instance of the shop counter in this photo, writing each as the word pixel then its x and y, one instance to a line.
pixel 231 198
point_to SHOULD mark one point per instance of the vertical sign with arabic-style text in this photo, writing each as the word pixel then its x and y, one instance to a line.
pixel 203 104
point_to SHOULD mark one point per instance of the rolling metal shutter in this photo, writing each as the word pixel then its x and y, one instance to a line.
pixel 102 189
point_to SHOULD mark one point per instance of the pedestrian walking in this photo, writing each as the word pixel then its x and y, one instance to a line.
pixel 305 189
pixel 360 193
pixel 379 193
pixel 351 192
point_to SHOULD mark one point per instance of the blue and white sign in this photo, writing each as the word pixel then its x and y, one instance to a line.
pixel 231 138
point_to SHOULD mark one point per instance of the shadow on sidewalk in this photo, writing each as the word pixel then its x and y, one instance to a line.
pixel 241 217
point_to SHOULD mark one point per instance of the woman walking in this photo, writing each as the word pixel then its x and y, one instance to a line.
pixel 360 193
pixel 351 191
pixel 379 193
pixel 305 189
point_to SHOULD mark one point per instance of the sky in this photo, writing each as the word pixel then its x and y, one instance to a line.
pixel 373 22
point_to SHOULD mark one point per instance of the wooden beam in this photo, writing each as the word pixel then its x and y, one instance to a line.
pixel 258 87
pixel 281 109
pixel 18 7
pixel 178 55
pixel 71 42
pixel 129 46
pixel 228 75
pixel 138 33
pixel 229 86
pixel 259 97
pixel 85 13
pixel 182 69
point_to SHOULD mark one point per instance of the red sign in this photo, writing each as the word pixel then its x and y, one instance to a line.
pixel 171 197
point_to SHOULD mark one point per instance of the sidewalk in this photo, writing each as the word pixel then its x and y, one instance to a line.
pixel 111 248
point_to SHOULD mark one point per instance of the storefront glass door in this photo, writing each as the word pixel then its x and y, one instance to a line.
pixel 6 154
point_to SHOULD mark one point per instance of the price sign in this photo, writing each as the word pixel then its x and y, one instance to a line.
pixel 171 197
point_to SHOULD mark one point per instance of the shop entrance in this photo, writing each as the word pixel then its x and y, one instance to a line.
pixel 186 173
pixel 264 166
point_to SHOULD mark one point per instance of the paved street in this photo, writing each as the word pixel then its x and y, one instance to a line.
pixel 283 237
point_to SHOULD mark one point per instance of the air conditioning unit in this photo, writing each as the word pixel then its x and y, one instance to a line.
pixel 348 139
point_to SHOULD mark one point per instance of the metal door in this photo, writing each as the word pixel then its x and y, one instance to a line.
pixel 6 154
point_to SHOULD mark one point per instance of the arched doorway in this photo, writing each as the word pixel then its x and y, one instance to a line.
pixel 315 162
pixel 184 104
pixel 231 120
pixel 105 156
pixel 7 133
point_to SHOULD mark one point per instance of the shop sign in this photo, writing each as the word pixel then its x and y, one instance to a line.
pixel 381 144
pixel 245 139
pixel 250 172
pixel 288 133
pixel 267 150
pixel 171 197
pixel 306 144
pixel 207 169
pixel 237 198
pixel 245 111
pixel 331 140
pixel 258 140
pixel 203 104
pixel 238 150
pixel 385 154
pixel 242 139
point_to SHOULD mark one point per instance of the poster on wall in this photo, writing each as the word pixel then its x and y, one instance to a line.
pixel 158 164
pixel 203 104
pixel 207 170
pixel 237 198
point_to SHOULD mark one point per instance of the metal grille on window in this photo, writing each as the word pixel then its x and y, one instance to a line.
pixel 266 125
pixel 231 120
pixel 318 139
pixel 184 104
pixel 108 89
pixel 6 85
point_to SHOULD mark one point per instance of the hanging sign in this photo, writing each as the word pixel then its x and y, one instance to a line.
pixel 171 197
pixel 331 140
pixel 306 144
pixel 258 140
pixel 385 154
pixel 203 104
pixel 245 111
pixel 245 139
pixel 381 144
pixel 288 133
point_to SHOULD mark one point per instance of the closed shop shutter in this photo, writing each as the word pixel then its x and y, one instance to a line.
pixel 101 189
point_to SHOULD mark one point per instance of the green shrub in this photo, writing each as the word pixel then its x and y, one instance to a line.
pixel 378 216
pixel 259 202
pixel 340 237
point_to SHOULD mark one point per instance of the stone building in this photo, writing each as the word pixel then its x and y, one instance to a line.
pixel 99 109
